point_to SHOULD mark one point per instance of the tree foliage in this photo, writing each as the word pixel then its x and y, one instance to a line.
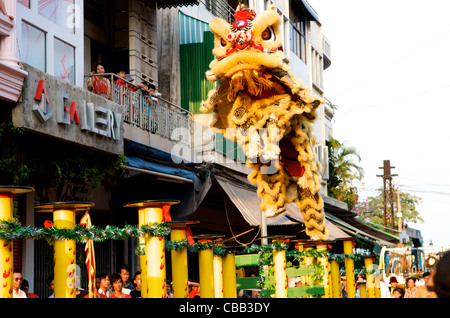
pixel 373 208
pixel 344 168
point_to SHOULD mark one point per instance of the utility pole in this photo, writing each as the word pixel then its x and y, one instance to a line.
pixel 399 211
pixel 388 193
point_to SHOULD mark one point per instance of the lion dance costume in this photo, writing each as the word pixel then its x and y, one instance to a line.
pixel 269 112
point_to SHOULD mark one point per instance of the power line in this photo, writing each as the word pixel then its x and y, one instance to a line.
pixel 394 100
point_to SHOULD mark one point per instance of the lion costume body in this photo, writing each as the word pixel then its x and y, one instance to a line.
pixel 260 104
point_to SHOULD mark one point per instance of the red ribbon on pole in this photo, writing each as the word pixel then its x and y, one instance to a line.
pixel 189 235
pixel 166 213
pixel 90 255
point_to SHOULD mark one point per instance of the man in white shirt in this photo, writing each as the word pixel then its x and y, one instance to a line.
pixel 17 280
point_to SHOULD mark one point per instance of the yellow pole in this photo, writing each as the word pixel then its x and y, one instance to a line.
pixel 155 256
pixel 142 258
pixel 65 256
pixel 336 279
pixel 155 259
pixel 206 273
pixel 280 276
pixel 6 246
pixel 64 261
pixel 229 276
pixel 362 290
pixel 349 268
pixel 370 278
pixel 218 276
pixel 179 262
pixel 308 262
pixel 6 249
pixel 322 248
pixel 299 246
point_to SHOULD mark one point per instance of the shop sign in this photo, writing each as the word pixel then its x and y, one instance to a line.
pixel 56 108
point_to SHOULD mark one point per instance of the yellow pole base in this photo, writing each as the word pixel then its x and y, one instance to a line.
pixel 206 273
pixel 7 194
pixel 153 273
pixel 229 276
pixel 336 279
pixel 370 278
pixel 350 269
pixel 279 267
pixel 64 214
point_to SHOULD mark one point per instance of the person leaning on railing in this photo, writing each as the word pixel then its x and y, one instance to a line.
pixel 99 84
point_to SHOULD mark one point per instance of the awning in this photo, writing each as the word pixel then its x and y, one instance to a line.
pixel 163 4
pixel 310 11
pixel 244 197
pixel 359 233
pixel 161 170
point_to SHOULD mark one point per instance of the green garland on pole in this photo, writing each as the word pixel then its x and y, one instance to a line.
pixel 12 230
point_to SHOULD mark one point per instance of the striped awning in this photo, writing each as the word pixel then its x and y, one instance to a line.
pixel 244 197
pixel 175 3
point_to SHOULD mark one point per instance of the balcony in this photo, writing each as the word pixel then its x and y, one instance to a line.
pixel 160 123
pixel 326 50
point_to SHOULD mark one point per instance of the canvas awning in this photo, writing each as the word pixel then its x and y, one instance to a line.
pixel 357 231
pixel 244 197
pixel 163 4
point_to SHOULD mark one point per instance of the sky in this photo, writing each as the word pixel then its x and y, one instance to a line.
pixel 390 79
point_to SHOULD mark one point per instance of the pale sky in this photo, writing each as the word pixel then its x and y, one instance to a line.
pixel 390 77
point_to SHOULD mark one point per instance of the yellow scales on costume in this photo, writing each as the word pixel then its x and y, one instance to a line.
pixel 260 104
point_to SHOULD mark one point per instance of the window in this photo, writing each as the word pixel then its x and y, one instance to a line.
pixel 33 50
pixel 64 61
pixel 298 32
pixel 317 68
pixel 59 12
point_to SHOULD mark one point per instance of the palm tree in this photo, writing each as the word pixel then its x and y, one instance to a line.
pixel 343 171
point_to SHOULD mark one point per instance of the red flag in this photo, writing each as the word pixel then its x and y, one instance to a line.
pixel 90 255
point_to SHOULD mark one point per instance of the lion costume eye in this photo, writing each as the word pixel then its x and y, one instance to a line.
pixel 223 42
pixel 268 34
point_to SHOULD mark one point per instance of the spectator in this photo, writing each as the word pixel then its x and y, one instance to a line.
pixel 125 275
pixel 393 284
pixel 25 286
pixel 411 288
pixel 194 290
pixel 105 287
pixel 398 293
pixel 136 293
pixel 98 84
pixel 116 281
pixel 51 285
pixel 422 291
pixel 17 280
pixel 439 282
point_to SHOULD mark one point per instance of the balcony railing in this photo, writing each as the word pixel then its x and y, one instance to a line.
pixel 159 117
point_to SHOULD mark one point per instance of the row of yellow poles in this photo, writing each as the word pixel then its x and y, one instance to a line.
pixel 216 273
pixel 331 277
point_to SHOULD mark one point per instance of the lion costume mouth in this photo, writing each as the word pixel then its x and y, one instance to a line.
pixel 258 83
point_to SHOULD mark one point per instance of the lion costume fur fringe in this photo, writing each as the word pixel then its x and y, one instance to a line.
pixel 269 112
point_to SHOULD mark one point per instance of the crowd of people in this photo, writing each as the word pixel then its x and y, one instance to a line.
pixel 432 285
pixel 116 285
pixel 101 85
